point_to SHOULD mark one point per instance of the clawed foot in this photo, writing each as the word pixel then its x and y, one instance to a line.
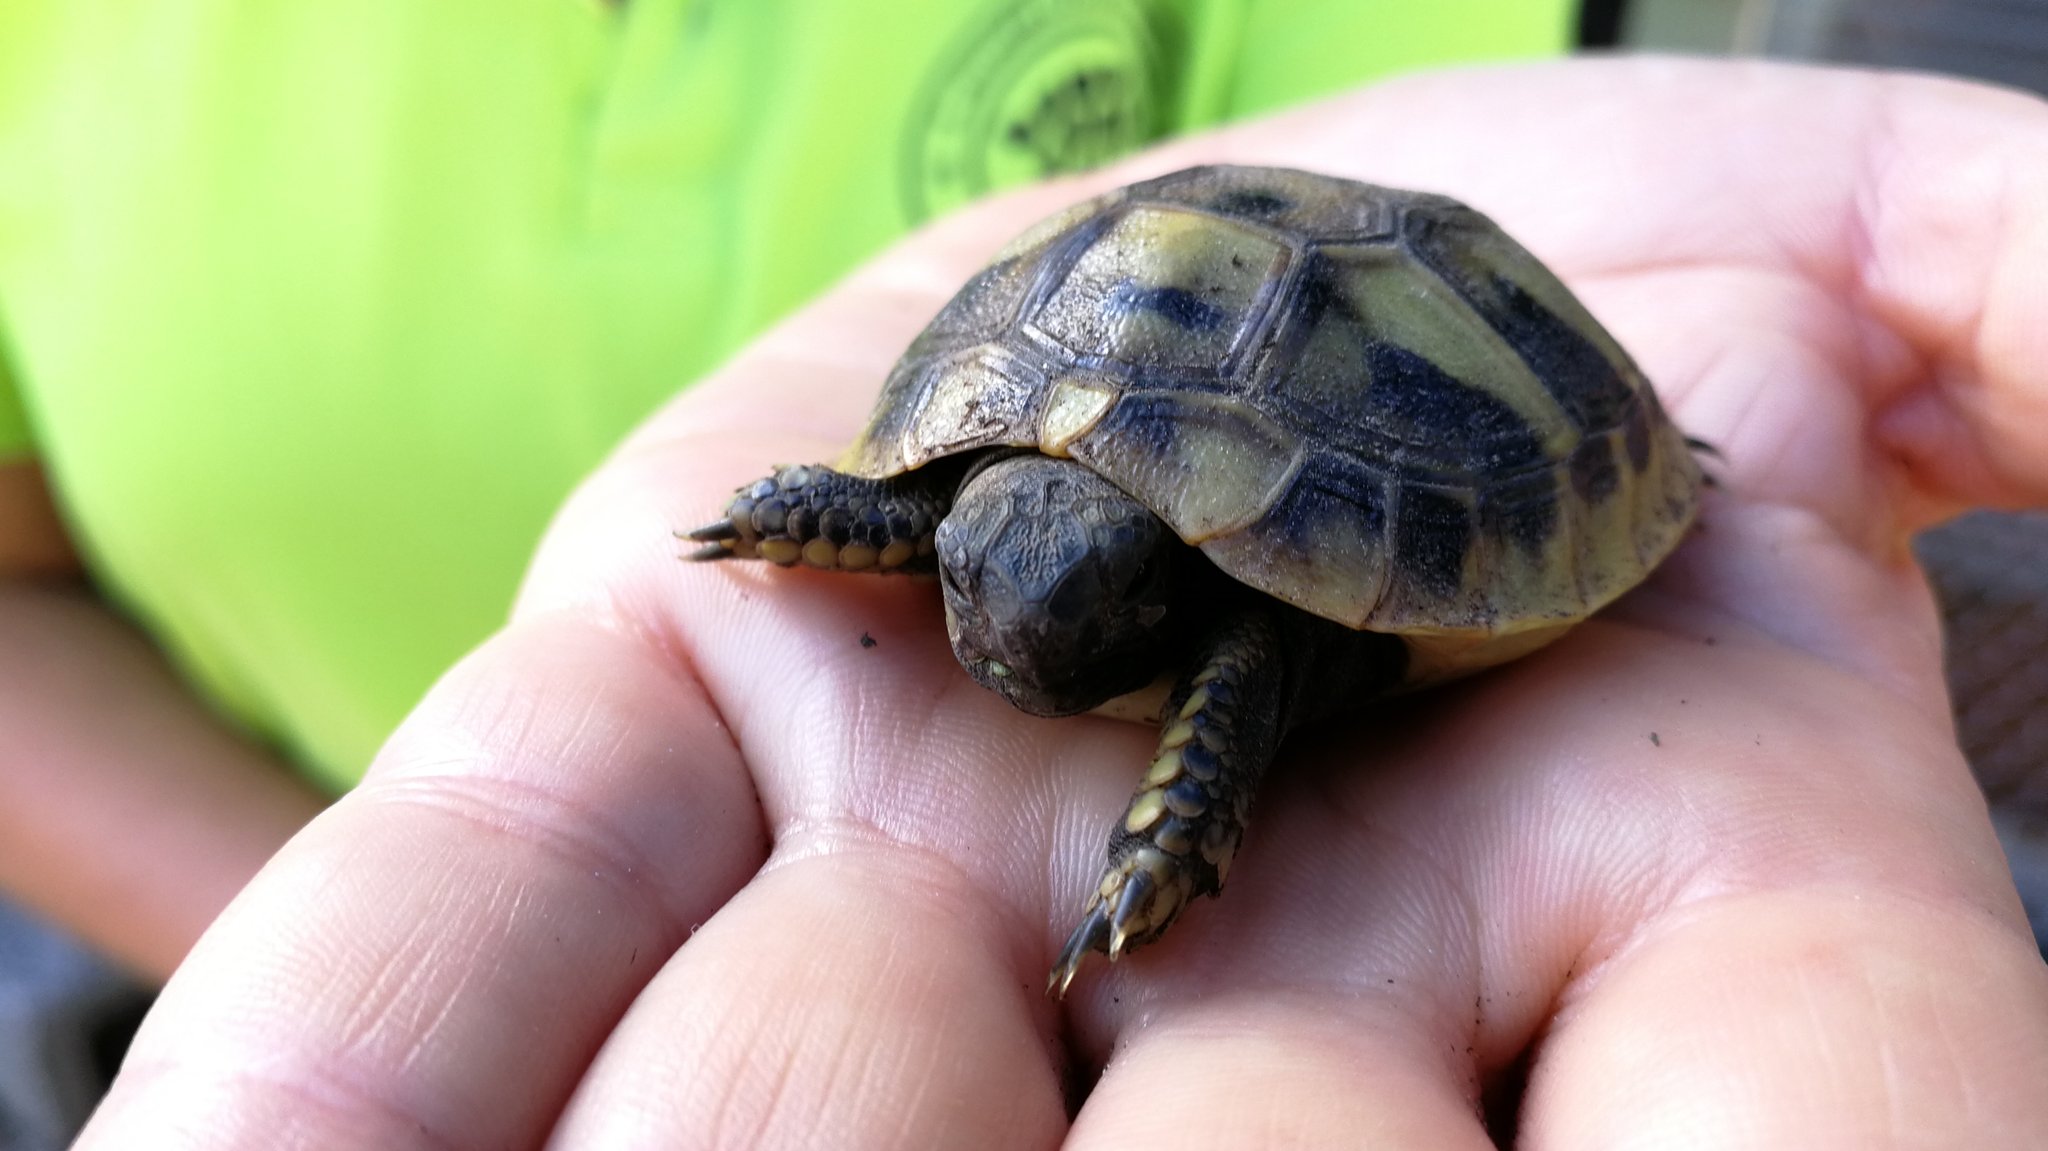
pixel 1182 827
pixel 825 519
pixel 1139 897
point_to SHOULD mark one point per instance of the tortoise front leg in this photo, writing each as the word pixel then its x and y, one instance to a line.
pixel 1182 827
pixel 825 519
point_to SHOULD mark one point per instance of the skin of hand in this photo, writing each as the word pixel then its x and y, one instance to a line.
pixel 677 860
pixel 128 813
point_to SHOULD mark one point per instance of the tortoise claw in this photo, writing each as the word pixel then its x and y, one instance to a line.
pixel 723 530
pixel 1139 897
pixel 1092 935
pixel 721 541
pixel 1133 906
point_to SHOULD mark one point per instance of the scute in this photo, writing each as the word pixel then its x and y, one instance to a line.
pixel 1206 463
pixel 1302 203
pixel 1368 403
pixel 1162 289
pixel 1414 377
pixel 1322 546
pixel 1585 372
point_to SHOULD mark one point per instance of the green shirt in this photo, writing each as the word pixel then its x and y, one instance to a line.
pixel 315 310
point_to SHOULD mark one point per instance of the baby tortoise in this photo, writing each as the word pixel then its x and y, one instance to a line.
pixel 1293 441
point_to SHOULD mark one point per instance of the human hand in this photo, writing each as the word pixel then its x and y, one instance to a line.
pixel 678 859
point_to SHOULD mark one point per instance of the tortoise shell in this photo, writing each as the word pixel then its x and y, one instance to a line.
pixel 1369 403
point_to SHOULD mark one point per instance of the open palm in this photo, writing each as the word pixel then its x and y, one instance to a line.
pixel 719 856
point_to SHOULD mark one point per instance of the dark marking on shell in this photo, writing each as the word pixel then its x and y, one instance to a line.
pixel 1257 203
pixel 1330 525
pixel 1302 515
pixel 1305 205
pixel 1315 362
pixel 1431 533
pixel 1091 311
pixel 1582 380
pixel 1140 423
pixel 1405 410
pixel 1595 475
pixel 1321 291
pixel 1423 404
pixel 1178 305
pixel 1588 387
pixel 1523 510
pixel 1635 436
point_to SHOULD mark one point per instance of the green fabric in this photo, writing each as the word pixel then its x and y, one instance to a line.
pixel 320 308
pixel 14 436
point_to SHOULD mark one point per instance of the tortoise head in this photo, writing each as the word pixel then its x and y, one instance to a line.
pixel 1057 585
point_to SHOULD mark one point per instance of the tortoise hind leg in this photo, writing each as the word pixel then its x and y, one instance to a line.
pixel 815 516
pixel 1182 827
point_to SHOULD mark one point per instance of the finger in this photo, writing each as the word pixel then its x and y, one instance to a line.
pixel 1333 998
pixel 435 960
pixel 1272 1071
pixel 1804 1020
pixel 1830 952
pixel 860 996
pixel 1753 809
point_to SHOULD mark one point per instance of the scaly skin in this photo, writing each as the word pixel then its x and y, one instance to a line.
pixel 821 518
pixel 1183 826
